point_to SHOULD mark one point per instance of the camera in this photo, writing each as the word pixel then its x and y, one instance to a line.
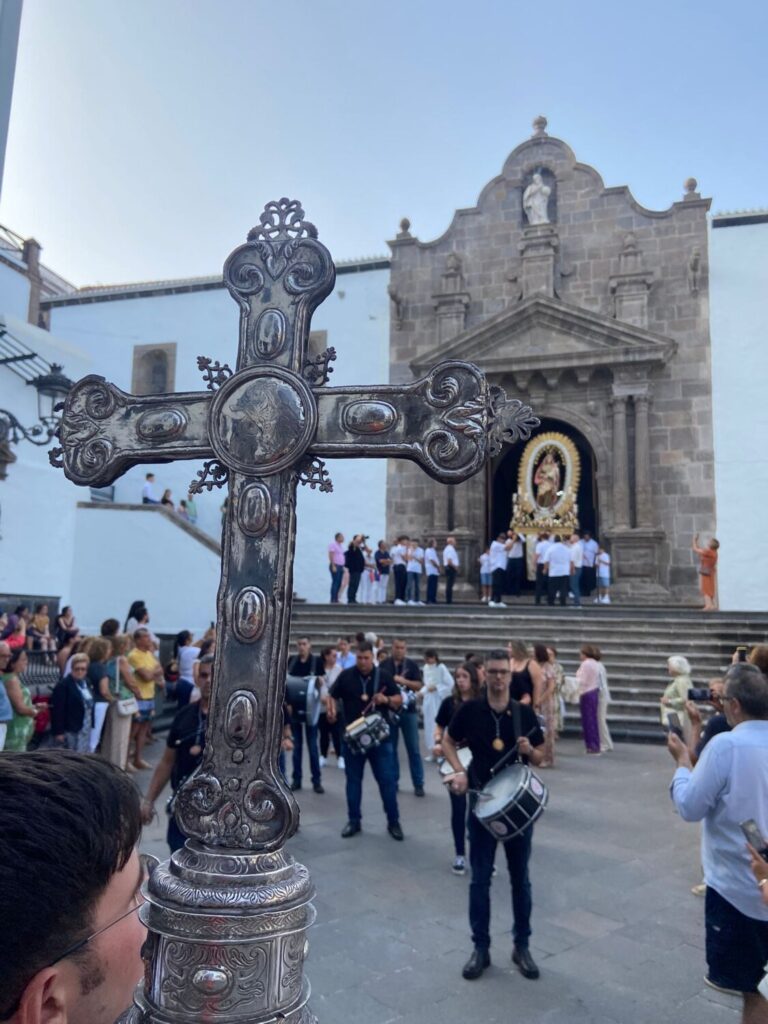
pixel 698 693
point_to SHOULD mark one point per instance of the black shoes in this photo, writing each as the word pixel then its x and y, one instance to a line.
pixel 395 831
pixel 525 963
pixel 295 786
pixel 318 788
pixel 350 829
pixel 476 964
pixel 419 791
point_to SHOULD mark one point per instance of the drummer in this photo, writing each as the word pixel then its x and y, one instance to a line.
pixel 361 690
pixel 486 726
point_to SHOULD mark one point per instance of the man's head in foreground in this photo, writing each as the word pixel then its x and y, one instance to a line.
pixel 69 888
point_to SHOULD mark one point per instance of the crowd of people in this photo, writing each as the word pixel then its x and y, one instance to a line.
pixel 186 508
pixel 566 568
pixel 109 687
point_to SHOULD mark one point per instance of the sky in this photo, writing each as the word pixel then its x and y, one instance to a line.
pixel 147 135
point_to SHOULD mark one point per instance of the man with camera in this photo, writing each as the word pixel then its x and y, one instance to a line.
pixel 729 788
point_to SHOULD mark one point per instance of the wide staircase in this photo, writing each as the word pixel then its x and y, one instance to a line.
pixel 635 642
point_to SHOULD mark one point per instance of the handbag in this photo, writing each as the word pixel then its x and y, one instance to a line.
pixel 126 707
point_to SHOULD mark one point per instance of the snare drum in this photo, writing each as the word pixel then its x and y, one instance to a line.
pixel 464 755
pixel 511 802
pixel 366 733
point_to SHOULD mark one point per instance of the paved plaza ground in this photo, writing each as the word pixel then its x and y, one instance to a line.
pixel 616 932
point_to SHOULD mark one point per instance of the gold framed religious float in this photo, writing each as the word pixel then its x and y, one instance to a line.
pixel 547 485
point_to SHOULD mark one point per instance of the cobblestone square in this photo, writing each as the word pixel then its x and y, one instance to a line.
pixel 617 933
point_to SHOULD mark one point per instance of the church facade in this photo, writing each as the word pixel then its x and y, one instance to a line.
pixel 593 310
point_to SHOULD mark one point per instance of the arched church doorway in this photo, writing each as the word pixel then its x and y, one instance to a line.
pixel 504 475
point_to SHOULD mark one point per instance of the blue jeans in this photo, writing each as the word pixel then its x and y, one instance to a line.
pixel 174 836
pixel 412 586
pixel 409 727
pixel 482 851
pixel 337 574
pixel 382 759
pixel 297 728
pixel 575 582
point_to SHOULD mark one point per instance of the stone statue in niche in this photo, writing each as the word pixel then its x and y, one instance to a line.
pixel 536 200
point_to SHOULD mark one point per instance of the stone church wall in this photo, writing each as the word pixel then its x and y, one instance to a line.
pixel 598 317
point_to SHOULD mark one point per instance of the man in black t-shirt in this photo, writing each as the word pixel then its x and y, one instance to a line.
pixel 487 727
pixel 183 752
pixel 305 719
pixel 361 690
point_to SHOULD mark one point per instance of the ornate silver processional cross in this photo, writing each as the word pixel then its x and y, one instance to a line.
pixel 227 915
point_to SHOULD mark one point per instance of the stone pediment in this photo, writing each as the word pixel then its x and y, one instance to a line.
pixel 548 335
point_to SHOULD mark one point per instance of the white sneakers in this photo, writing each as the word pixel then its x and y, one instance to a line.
pixel 399 602
pixel 459 866
pixel 340 763
pixel 496 604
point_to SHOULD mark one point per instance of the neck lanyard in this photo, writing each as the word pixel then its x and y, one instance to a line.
pixel 197 747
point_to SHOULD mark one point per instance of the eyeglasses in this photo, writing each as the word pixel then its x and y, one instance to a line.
pixel 148 864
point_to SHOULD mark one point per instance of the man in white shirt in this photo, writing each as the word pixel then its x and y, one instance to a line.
pixel 500 549
pixel 432 568
pixel 516 564
pixel 588 572
pixel 577 560
pixel 398 553
pixel 451 566
pixel 729 785
pixel 558 563
pixel 148 493
pixel 542 547
pixel 413 568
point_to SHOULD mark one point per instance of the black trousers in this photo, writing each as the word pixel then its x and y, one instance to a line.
pixel 588 580
pixel 450 578
pixel 400 581
pixel 558 585
pixel 327 733
pixel 515 572
pixel 354 583
pixel 541 583
pixel 498 579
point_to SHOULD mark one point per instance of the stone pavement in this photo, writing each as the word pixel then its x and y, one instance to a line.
pixel 616 932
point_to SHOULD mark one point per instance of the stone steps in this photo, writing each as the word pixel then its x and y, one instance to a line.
pixel 635 643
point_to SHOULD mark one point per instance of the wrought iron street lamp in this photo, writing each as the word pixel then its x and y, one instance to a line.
pixel 52 388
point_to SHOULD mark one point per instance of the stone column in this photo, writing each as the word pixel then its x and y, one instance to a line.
pixel 620 466
pixel 538 251
pixel 31 256
pixel 643 498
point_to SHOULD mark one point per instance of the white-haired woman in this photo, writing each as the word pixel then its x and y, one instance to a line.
pixel 676 693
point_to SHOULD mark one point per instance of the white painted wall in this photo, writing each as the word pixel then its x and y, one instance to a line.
pixel 356 317
pixel 14 292
pixel 121 556
pixel 739 328
pixel 37 502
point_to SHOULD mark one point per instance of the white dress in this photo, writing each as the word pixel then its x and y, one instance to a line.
pixel 438 683
pixel 603 700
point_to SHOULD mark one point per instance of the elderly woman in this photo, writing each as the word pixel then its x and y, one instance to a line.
pixel 588 678
pixel 72 707
pixel 22 725
pixel 121 688
pixel 676 694
pixel 438 683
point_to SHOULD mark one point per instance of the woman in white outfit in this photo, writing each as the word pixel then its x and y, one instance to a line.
pixel 438 684
pixel 603 700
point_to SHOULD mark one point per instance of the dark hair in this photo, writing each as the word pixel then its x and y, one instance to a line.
pixel 68 823
pixel 471 669
pixel 65 609
pixel 591 651
pixel 136 611
pixel 432 653
pixel 207 659
pixel 359 637
pixel 540 653
pixel 205 647
pixel 181 641
pixel 16 653
pixel 110 627
pixel 365 645
pixel 476 659
pixel 551 647
pixel 326 651
pixel 747 684
pixel 498 654
pixel 39 607
pixel 20 609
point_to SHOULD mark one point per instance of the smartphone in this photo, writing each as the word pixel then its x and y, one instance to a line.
pixel 741 653
pixel 754 836
pixel 699 693
pixel 674 724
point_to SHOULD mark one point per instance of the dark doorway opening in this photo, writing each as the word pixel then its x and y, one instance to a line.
pixel 503 481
